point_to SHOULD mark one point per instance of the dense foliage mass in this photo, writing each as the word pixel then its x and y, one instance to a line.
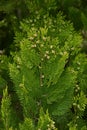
pixel 43 76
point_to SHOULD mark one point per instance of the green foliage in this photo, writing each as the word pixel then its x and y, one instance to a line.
pixel 2 82
pixel 12 12
pixel 6 110
pixel 84 21
pixel 45 70
pixel 75 11
pixel 48 70
pixel 40 64
pixel 28 125
pixel 80 99
pixel 4 60
pixel 8 115
pixel 44 122
pixel 75 16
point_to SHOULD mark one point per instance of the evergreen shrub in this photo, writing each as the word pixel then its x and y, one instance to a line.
pixel 49 75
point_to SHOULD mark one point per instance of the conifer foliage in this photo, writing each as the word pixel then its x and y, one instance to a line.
pixel 45 72
pixel 39 69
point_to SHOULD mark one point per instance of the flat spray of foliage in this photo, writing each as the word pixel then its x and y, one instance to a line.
pixel 47 72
